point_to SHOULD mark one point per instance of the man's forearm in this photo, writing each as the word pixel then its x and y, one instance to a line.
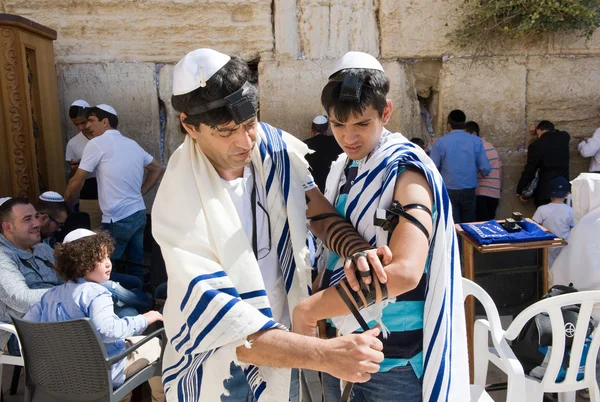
pixel 73 188
pixel 279 348
pixel 151 179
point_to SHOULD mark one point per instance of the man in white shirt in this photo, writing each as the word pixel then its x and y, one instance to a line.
pixel 119 163
pixel 590 148
pixel 88 197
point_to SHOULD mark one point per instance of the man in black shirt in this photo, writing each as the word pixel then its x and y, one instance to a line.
pixel 549 154
pixel 326 150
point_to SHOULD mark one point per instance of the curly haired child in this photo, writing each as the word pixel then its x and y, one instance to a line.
pixel 83 261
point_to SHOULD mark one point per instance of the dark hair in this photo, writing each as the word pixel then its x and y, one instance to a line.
pixel 472 127
pixel 418 141
pixel 7 207
pixel 320 128
pixel 75 259
pixel 545 125
pixel 457 119
pixel 113 121
pixel 77 111
pixel 376 86
pixel 231 77
pixel 51 208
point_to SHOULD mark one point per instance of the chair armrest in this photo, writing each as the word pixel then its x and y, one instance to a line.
pixel 123 354
pixel 8 328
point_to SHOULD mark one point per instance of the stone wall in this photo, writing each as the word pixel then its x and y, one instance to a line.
pixel 122 53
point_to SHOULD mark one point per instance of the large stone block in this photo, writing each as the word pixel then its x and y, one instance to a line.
pixel 573 44
pixel 565 91
pixel 150 30
pixel 129 87
pixel 491 91
pixel 290 95
pixel 328 29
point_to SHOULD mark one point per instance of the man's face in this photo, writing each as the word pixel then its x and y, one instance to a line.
pixel 23 230
pixel 96 127
pixel 81 124
pixel 51 224
pixel 359 135
pixel 228 147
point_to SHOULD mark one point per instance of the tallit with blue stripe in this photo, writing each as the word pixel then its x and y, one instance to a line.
pixel 446 370
pixel 217 297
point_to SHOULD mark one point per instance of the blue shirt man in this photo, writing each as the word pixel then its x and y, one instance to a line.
pixel 458 156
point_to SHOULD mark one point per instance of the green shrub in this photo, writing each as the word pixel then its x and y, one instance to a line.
pixel 516 19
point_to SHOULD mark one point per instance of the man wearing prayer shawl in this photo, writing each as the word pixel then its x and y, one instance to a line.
pixel 422 315
pixel 230 218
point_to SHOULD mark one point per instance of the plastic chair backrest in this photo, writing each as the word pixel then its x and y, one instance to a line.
pixel 64 360
pixel 471 288
pixel 552 306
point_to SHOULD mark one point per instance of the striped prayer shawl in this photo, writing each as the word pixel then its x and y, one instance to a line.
pixel 217 296
pixel 445 361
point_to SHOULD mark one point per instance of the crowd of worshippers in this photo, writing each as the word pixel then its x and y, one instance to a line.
pixel 235 176
pixel 56 266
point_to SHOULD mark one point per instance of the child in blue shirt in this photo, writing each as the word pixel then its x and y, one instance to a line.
pixel 83 261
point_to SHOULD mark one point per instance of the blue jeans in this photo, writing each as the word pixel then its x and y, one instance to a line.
pixel 129 240
pixel 463 205
pixel 399 384
pixel 239 390
pixel 134 298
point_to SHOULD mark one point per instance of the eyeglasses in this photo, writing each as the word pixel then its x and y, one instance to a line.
pixel 59 225
pixel 264 252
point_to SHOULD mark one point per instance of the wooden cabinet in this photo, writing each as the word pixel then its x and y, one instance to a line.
pixel 31 149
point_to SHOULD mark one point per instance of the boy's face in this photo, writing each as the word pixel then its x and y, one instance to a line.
pixel 359 135
pixel 101 272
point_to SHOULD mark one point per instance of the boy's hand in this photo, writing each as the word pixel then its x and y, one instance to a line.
pixel 375 258
pixel 152 316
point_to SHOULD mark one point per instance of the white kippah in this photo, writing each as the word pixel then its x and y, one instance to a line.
pixel 80 103
pixel 77 234
pixel 51 196
pixel 356 60
pixel 107 108
pixel 320 119
pixel 4 199
pixel 196 68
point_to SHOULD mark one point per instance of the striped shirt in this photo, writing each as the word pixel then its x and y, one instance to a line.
pixel 490 186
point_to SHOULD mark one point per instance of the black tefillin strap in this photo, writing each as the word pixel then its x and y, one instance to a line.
pixel 239 105
pixel 388 218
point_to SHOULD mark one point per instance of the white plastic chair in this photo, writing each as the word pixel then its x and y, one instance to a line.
pixel 529 389
pixel 6 358
pixel 516 379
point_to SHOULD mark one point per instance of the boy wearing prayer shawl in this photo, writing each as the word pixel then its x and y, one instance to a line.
pixel 230 219
pixel 420 308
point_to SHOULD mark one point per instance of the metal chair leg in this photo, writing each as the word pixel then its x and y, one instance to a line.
pixel 14 384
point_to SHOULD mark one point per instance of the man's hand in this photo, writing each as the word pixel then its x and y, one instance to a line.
pixel 353 357
pixel 523 199
pixel 377 258
pixel 302 323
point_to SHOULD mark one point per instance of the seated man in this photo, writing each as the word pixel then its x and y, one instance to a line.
pixel 26 264
pixel 27 267
pixel 419 307
pixel 53 212
pixel 83 260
